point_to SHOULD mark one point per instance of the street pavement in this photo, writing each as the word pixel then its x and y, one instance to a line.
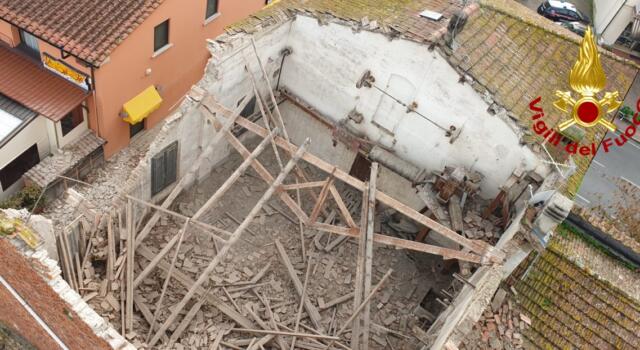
pixel 620 164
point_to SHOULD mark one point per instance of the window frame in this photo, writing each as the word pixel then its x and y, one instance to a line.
pixel 76 115
pixel 216 12
pixel 24 45
pixel 167 42
pixel 160 162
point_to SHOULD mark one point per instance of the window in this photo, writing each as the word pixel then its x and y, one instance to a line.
pixel 248 110
pixel 212 8
pixel 161 36
pixel 29 44
pixel 71 120
pixel 135 129
pixel 164 168
pixel 13 171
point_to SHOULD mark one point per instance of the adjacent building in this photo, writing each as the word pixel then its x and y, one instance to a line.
pixel 118 70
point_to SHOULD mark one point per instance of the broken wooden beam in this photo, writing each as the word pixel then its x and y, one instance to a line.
pixel 313 312
pixel 293 334
pixel 479 247
pixel 131 247
pixel 187 282
pixel 192 172
pixel 232 240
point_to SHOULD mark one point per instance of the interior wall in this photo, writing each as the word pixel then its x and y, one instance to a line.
pixel 327 62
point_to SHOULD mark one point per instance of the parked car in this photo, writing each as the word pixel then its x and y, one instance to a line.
pixel 562 11
pixel 576 27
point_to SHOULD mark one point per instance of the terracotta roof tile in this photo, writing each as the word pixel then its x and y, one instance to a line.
pixel 27 82
pixel 517 55
pixel 89 29
pixel 572 308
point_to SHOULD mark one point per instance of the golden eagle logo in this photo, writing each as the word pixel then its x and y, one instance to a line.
pixel 587 78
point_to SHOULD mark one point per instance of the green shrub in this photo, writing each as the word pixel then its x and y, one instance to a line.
pixel 25 198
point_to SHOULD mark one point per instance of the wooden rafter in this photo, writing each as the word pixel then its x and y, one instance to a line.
pixel 320 202
pixel 478 249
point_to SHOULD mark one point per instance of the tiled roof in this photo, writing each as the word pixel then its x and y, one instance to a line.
pixel 397 17
pixel 517 55
pixel 15 109
pixel 89 29
pixel 26 82
pixel 47 171
pixel 64 322
pixel 571 308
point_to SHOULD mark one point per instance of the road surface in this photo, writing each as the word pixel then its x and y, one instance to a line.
pixel 584 6
pixel 621 164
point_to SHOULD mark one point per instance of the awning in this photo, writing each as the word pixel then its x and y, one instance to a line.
pixel 142 105
pixel 27 82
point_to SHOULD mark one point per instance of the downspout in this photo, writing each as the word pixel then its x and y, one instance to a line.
pixel 95 100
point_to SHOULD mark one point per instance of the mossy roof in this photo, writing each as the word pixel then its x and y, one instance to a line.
pixel 572 308
pixel 399 17
pixel 518 55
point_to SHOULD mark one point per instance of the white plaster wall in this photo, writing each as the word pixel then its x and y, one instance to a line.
pixel 328 60
pixel 611 18
pixel 34 132
pixel 300 126
pixel 73 134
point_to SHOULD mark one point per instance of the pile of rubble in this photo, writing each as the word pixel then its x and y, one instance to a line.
pixel 501 326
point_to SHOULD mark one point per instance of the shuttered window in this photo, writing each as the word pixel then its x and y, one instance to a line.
pixel 164 168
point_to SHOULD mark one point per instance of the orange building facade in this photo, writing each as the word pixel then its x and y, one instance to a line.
pixel 135 45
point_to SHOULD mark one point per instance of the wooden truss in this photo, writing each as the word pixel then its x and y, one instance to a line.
pixel 321 191
pixel 224 119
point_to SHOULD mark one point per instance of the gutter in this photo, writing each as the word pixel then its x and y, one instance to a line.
pixel 618 249
pixel 50 43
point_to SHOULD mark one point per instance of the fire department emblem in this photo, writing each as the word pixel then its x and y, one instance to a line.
pixel 587 78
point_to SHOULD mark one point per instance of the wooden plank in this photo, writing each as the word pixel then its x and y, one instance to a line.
pixel 455 212
pixel 204 226
pixel 210 202
pixel 429 198
pixel 371 209
pixel 302 185
pixel 446 253
pixel 293 334
pixel 191 173
pixel 131 239
pixel 215 198
pixel 272 320
pixel 111 252
pixel 320 202
pixel 477 246
pixel 366 301
pixel 313 312
pixel 187 282
pixel 266 176
pixel 336 301
pixel 303 298
pixel 361 266
pixel 186 320
pixel 167 279
pixel 342 207
pixel 234 238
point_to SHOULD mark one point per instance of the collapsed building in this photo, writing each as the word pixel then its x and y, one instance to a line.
pixel 347 174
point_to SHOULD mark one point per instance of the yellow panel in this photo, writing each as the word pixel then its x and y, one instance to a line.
pixel 142 105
